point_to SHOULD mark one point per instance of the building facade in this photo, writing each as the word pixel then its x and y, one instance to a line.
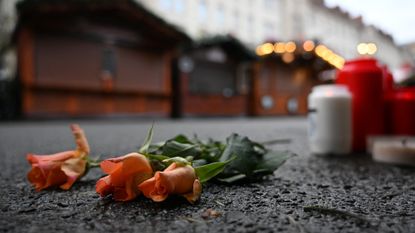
pixel 8 19
pixel 73 61
pixel 250 21
pixel 338 30
pixel 256 21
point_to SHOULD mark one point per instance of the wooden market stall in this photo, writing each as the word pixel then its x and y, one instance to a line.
pixel 95 57
pixel 213 78
pixel 284 75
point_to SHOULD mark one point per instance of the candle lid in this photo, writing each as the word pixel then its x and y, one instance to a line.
pixel 331 90
pixel 399 151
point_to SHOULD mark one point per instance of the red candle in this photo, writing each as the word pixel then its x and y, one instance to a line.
pixel 388 92
pixel 364 79
pixel 388 83
pixel 401 111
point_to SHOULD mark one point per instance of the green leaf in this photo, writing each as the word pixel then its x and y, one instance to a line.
pixel 147 141
pixel 92 163
pixel 174 148
pixel 272 160
pixel 277 141
pixel 182 139
pixel 157 165
pixel 232 179
pixel 199 162
pixel 212 150
pixel 239 158
pixel 208 171
pixel 247 156
pixel 158 157
pixel 155 148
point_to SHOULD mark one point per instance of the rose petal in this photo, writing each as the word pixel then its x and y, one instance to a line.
pixel 131 164
pixel 127 192
pixel 173 180
pixel 36 177
pixel 147 188
pixel 195 194
pixel 58 157
pixel 60 169
pixel 171 167
pixel 70 180
pixel 103 186
pixel 109 166
pixel 180 179
pixel 80 139
pixel 54 177
pixel 125 174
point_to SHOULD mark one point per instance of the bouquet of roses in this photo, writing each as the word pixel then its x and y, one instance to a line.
pixel 178 166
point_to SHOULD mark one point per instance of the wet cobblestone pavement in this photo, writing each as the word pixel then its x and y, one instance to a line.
pixel 358 194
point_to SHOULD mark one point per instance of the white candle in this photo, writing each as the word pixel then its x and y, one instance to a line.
pixel 400 151
pixel 330 120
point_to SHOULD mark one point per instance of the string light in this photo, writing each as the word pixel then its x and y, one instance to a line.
pixel 362 48
pixel 367 48
pixel 290 47
pixel 279 47
pixel 308 46
pixel 264 49
pixel 371 48
pixel 287 50
pixel 329 56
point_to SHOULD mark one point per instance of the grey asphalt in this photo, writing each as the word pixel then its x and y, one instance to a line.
pixel 356 194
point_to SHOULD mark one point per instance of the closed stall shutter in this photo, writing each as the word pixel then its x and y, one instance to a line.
pixel 67 62
pixel 212 78
pixel 140 71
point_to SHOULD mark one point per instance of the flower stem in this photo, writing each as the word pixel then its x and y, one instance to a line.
pixel 93 163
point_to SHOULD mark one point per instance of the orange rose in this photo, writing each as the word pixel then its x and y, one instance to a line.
pixel 124 174
pixel 60 169
pixel 175 179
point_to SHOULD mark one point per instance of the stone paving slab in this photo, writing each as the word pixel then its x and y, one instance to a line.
pixel 364 196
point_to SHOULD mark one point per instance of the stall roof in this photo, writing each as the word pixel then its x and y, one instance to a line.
pixel 128 10
pixel 228 43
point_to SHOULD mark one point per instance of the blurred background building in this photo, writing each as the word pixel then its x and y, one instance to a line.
pixel 254 22
pixel 410 50
pixel 170 57
pixel 8 19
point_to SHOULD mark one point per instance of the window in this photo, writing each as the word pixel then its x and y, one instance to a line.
pixel 243 75
pixel 179 6
pixel 270 4
pixel 269 31
pixel 250 31
pixel 236 21
pixel 202 11
pixel 108 69
pixel 220 16
pixel 108 62
pixel 166 4
pixel 292 105
pixel 212 78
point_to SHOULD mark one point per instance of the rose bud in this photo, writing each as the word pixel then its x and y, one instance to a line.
pixel 175 179
pixel 124 174
pixel 60 169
